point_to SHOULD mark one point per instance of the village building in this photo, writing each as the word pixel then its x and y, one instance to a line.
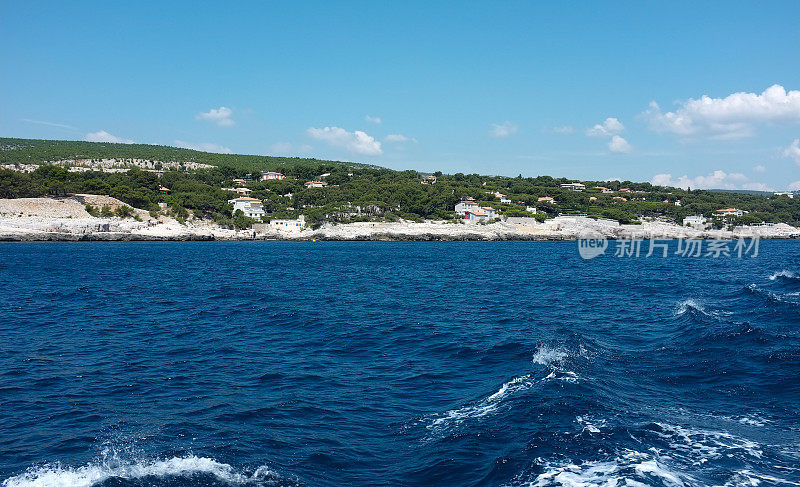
pixel 297 224
pixel 730 212
pixel 619 198
pixel 787 193
pixel 429 179
pixel 695 221
pixel 546 199
pixel 243 191
pixel 315 184
pixel 574 186
pixel 531 209
pixel 251 207
pixel 164 190
pixel 271 175
pixel 239 181
pixel 604 189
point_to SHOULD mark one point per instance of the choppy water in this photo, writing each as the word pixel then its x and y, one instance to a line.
pixel 497 363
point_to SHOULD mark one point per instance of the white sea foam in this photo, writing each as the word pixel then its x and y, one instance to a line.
pixel 592 425
pixel 630 468
pixel 701 445
pixel 545 355
pixel 485 406
pixel 785 274
pixel 57 475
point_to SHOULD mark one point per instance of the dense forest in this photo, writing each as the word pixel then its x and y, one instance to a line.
pixel 354 191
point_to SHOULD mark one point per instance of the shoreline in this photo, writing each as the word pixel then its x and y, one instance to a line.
pixel 66 220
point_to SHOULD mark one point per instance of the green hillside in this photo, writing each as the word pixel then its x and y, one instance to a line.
pixel 354 191
pixel 35 151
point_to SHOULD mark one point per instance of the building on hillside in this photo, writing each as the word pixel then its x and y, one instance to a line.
pixel 592 198
pixel 297 224
pixel 624 190
pixel 786 193
pixel 678 203
pixel 315 184
pixel 251 207
pixel 271 176
pixel 164 190
pixel 243 191
pixel 546 199
pixel 619 198
pixel 429 179
pixel 695 221
pixel 239 181
pixel 730 212
pixel 531 209
pixel 604 189
pixel 466 205
pixel 574 186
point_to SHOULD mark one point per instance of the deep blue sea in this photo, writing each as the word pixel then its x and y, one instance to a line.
pixel 396 363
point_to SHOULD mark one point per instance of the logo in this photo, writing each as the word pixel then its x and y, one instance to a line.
pixel 591 246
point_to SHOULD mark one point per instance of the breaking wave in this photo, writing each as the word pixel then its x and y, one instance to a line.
pixel 785 275
pixel 551 358
pixel 97 473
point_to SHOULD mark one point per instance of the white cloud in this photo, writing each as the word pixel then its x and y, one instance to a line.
pixel 619 145
pixel 760 169
pixel 611 126
pixel 500 130
pixel 794 186
pixel 731 117
pixel 287 148
pixel 793 151
pixel 564 129
pixel 375 120
pixel 358 142
pixel 220 116
pixel 757 187
pixel 399 138
pixel 103 136
pixel 716 180
pixel 203 146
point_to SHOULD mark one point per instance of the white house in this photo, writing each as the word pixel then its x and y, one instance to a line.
pixel 789 194
pixel 243 191
pixel 465 206
pixel 574 186
pixel 530 209
pixel 271 175
pixel 251 207
pixel 289 224
pixel 730 212
pixel 603 189
pixel 695 221
pixel 315 184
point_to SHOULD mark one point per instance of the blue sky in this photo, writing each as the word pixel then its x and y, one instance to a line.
pixel 559 88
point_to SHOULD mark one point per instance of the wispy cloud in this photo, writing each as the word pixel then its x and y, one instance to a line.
pixel 760 169
pixel 734 116
pixel 375 120
pixel 716 180
pixel 502 130
pixel 563 129
pixel 357 141
pixel 49 124
pixel 103 136
pixel 220 116
pixel 203 146
pixel 793 151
